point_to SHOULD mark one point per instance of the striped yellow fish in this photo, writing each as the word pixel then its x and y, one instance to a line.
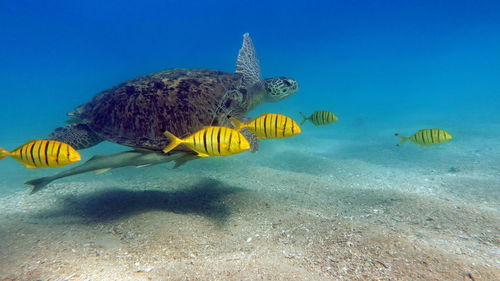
pixel 427 137
pixel 320 117
pixel 270 126
pixel 211 141
pixel 43 154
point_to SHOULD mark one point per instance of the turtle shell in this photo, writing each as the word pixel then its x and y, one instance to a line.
pixel 182 101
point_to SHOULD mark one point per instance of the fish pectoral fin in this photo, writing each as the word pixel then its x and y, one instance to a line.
pixel 203 155
pixel 102 171
pixel 95 157
pixel 184 159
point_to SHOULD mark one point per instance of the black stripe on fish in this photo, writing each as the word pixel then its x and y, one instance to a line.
pixel 426 137
pixel 205 140
pixel 284 126
pixel 210 143
pixel 21 153
pixel 415 138
pixel 24 150
pixel 40 153
pixel 218 140
pixel 265 125
pixel 47 153
pixel 58 151
pixel 31 153
pixel 421 133
pixel 67 152
pixel 276 126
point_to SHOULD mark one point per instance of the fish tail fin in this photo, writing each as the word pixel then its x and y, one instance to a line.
pixel 304 118
pixel 174 141
pixel 38 184
pixel 238 123
pixel 403 139
pixel 3 153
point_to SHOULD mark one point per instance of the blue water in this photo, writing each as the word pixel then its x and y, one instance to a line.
pixel 382 66
pixel 400 66
pixel 379 58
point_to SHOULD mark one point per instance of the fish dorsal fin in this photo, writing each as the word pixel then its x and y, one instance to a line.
pixel 247 63
pixel 95 157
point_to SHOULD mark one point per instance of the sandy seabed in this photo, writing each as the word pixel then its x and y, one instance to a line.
pixel 337 210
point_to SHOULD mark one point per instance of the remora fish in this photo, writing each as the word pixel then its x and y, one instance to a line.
pixel 104 163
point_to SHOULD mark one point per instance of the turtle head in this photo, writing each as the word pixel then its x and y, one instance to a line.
pixel 279 88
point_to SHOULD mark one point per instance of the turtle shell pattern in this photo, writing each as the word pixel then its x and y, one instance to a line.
pixel 182 101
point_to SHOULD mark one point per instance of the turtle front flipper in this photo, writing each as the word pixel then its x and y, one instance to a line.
pixel 79 136
pixel 251 138
pixel 224 120
pixel 247 63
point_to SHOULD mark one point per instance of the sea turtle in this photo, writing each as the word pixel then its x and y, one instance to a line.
pixel 137 112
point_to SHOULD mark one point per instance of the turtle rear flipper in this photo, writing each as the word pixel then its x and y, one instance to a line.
pixel 78 136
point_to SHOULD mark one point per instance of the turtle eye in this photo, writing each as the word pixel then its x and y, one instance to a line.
pixel 287 83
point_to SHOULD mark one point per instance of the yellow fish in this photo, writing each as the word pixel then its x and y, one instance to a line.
pixel 320 117
pixel 211 141
pixel 270 126
pixel 43 154
pixel 427 137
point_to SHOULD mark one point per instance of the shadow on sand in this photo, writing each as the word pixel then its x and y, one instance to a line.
pixel 205 198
